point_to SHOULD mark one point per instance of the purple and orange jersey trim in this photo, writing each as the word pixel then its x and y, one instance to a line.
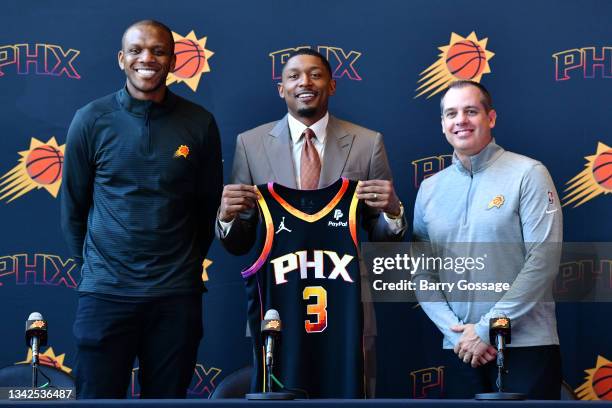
pixel 310 217
pixel 353 219
pixel 269 238
pixel 301 215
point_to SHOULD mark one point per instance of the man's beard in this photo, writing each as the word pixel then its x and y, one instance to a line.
pixel 307 112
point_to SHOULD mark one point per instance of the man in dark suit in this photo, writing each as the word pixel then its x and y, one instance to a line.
pixel 310 149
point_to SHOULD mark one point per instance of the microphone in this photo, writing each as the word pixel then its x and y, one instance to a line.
pixel 499 334
pixel 36 334
pixel 271 330
pixel 499 330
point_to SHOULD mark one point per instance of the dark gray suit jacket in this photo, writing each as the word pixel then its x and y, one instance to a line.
pixel 264 154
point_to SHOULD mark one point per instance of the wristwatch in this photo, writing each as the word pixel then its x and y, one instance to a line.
pixel 397 217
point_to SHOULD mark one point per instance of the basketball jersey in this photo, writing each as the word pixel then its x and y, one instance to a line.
pixel 308 270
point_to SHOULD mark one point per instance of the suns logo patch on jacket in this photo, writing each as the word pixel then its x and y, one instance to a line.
pixel 182 151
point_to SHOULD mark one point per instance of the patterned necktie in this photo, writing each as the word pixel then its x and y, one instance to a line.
pixel 310 163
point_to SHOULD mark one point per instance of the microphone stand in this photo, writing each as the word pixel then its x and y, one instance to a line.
pixel 34 363
pixel 500 362
pixel 501 370
pixel 269 378
pixel 269 394
pixel 34 375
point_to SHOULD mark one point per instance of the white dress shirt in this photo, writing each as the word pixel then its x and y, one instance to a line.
pixel 296 128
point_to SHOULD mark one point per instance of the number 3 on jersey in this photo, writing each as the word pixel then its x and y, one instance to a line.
pixel 319 309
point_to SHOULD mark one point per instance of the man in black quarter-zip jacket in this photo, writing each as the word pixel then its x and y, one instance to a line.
pixel 142 182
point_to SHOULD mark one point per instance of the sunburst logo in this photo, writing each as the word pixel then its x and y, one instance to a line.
pixel 462 58
pixel 595 179
pixel 182 151
pixel 39 324
pixel 503 323
pixel 497 201
pixel 49 359
pixel 191 60
pixel 598 384
pixel 39 167
pixel 273 324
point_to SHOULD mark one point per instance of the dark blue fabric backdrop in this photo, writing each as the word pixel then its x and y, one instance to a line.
pixel 382 49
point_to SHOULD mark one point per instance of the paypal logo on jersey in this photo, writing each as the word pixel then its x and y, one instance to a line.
pixel 337 215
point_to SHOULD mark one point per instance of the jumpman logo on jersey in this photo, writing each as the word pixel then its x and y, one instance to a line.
pixel 281 227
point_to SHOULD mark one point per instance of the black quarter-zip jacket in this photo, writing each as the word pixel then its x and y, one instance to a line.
pixel 141 185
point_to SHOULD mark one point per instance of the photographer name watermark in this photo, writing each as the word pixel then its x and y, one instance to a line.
pixel 488 272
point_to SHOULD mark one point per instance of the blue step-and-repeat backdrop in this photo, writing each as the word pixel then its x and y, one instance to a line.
pixel 548 65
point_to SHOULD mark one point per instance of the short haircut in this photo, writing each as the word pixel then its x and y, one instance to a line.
pixel 153 23
pixel 485 98
pixel 310 51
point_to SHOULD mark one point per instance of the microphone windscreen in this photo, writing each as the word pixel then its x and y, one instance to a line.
pixel 35 316
pixel 272 314
pixel 36 326
pixel 271 322
pixel 497 315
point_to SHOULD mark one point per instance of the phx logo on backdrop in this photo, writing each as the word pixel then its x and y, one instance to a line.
pixel 427 382
pixel 203 382
pixel 50 270
pixel 342 62
pixel 586 62
pixel 39 59
pixel 38 269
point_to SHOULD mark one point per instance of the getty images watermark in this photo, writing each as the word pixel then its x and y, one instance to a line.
pixel 488 272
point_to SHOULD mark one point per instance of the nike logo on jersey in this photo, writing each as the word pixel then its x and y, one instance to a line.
pixel 551 211
pixel 299 261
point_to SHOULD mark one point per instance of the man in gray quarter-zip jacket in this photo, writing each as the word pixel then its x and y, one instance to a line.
pixel 141 186
pixel 489 196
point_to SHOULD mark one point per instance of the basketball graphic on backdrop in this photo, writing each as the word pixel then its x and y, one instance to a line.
pixel 40 166
pixel 190 58
pixel 602 169
pixel 593 180
pixel 44 164
pixel 602 382
pixel 598 382
pixel 465 59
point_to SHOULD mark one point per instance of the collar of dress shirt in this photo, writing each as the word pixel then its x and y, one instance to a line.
pixel 296 128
